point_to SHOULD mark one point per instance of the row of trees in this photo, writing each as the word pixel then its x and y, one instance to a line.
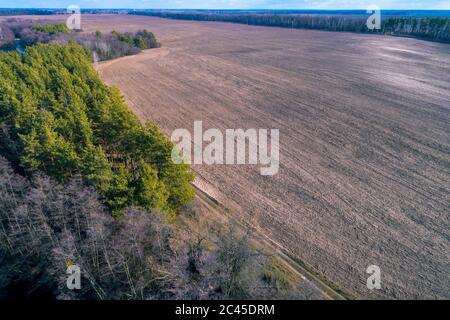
pixel 105 47
pixel 436 28
pixel 61 11
pixel 58 117
pixel 431 28
pixel 19 12
pixel 45 227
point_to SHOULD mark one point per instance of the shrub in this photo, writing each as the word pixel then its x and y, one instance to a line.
pixel 52 28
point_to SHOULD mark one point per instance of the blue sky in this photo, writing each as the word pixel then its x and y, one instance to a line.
pixel 231 4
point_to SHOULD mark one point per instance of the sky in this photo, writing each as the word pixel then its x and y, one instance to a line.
pixel 231 4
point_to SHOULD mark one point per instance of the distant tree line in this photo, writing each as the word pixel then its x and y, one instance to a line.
pixel 106 47
pixel 23 12
pixel 18 12
pixel 436 28
pixel 429 28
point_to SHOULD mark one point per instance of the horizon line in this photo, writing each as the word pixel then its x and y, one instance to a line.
pixel 223 9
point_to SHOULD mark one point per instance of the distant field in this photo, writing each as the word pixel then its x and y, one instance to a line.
pixel 364 130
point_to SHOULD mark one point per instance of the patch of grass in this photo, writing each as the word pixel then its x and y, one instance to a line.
pixel 276 274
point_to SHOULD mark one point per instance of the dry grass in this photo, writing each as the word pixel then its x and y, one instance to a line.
pixel 365 139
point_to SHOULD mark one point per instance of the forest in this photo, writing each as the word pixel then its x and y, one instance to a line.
pixel 18 12
pixel 58 117
pixel 428 28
